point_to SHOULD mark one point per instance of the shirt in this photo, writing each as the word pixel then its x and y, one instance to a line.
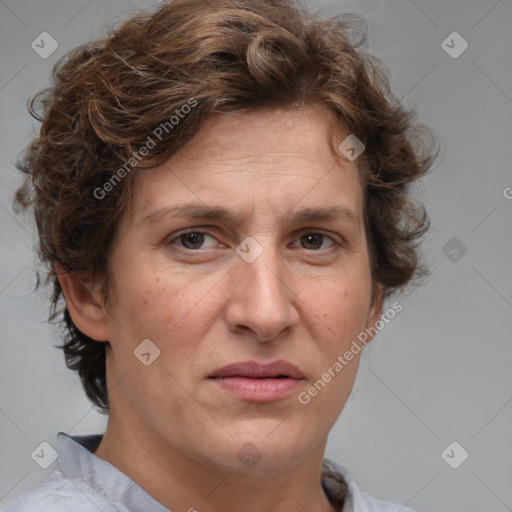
pixel 85 483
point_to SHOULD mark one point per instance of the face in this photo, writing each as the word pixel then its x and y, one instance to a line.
pixel 246 246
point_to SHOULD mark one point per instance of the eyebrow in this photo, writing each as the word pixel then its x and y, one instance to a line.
pixel 220 213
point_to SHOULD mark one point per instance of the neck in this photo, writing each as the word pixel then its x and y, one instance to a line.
pixel 180 482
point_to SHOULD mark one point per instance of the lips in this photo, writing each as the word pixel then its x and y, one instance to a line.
pixel 254 382
pixel 254 370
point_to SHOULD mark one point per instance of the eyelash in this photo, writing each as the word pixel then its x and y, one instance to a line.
pixel 177 237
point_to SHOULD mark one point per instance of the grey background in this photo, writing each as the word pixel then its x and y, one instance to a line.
pixel 439 372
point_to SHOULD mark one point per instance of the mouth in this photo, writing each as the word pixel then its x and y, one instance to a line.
pixel 255 382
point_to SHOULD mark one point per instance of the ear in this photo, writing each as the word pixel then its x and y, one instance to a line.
pixel 84 303
pixel 375 312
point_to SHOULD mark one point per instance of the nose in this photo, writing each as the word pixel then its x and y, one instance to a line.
pixel 261 297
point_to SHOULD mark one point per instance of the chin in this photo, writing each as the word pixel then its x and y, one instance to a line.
pixel 262 451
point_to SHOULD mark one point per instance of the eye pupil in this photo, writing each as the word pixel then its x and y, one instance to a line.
pixel 311 238
pixel 192 239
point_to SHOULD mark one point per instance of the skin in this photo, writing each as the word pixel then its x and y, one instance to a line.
pixel 304 300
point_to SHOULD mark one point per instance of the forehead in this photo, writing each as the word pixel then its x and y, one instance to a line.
pixel 273 159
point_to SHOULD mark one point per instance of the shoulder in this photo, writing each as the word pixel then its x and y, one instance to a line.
pixel 368 503
pixel 354 499
pixel 55 493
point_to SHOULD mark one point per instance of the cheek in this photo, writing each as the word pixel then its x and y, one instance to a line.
pixel 140 298
pixel 173 313
pixel 167 307
pixel 342 308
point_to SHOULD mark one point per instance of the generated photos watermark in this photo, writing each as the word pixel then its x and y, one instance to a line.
pixel 304 397
pixel 149 144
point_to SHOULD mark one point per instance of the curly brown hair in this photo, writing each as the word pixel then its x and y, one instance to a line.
pixel 111 96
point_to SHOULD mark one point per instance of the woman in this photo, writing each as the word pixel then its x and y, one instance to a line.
pixel 220 190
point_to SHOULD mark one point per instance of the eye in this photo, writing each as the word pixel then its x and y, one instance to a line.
pixel 314 241
pixel 195 240
pixel 191 240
